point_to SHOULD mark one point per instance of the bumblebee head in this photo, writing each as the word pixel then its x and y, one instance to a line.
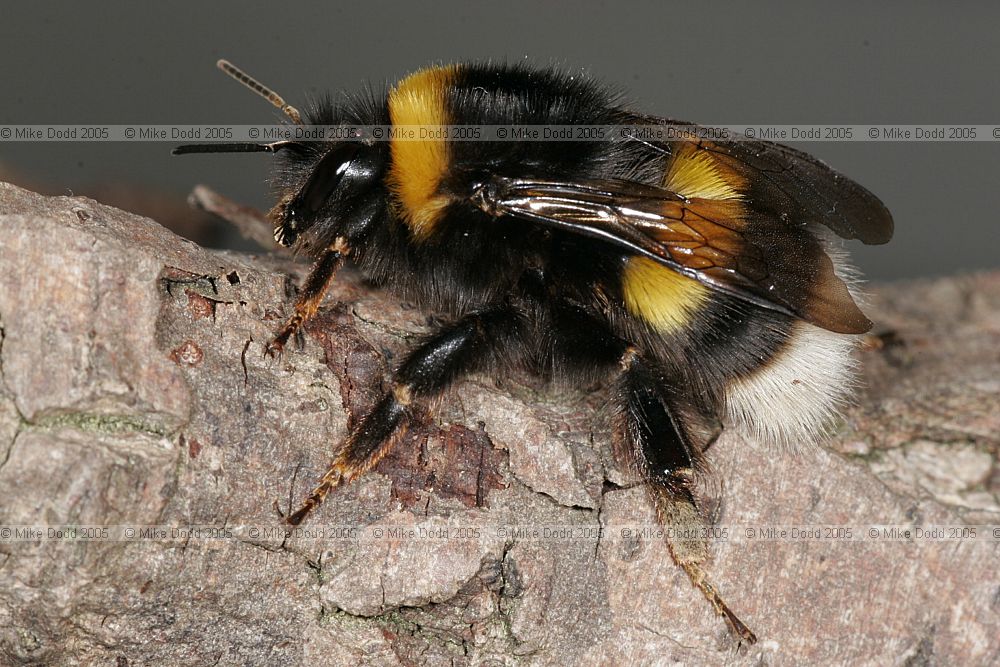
pixel 326 191
pixel 319 183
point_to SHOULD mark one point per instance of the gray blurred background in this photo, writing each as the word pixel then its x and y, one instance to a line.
pixel 119 62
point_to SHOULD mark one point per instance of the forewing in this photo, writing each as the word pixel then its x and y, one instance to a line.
pixel 716 239
pixel 794 186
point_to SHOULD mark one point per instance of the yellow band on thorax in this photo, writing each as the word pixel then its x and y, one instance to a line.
pixel 418 166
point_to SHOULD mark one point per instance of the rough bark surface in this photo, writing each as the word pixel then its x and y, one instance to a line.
pixel 133 390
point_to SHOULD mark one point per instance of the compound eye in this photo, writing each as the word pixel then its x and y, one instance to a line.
pixel 325 178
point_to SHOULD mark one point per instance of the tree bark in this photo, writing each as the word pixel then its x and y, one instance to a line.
pixel 134 392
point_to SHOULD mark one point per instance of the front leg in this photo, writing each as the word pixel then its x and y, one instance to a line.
pixel 459 349
pixel 312 294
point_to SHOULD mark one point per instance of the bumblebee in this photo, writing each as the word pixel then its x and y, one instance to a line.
pixel 699 277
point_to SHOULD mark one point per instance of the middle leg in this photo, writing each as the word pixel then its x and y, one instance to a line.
pixel 464 347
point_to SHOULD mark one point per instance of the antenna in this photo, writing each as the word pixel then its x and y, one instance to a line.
pixel 230 148
pixel 259 88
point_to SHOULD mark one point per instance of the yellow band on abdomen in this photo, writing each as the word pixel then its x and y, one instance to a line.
pixel 659 295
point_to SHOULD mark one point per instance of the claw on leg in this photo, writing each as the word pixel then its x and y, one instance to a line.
pixel 330 480
pixel 277 344
pixel 700 580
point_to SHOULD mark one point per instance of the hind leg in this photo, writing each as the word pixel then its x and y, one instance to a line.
pixel 652 439
pixel 655 441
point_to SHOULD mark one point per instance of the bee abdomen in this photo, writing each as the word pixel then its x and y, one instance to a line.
pixel 793 398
